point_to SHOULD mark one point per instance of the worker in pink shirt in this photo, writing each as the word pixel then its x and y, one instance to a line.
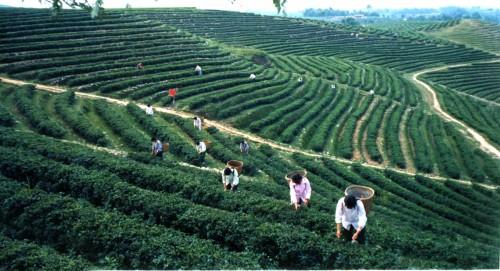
pixel 300 191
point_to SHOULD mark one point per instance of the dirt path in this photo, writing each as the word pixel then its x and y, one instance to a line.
pixel 405 142
pixel 222 127
pixel 434 102
pixel 380 136
pixel 358 146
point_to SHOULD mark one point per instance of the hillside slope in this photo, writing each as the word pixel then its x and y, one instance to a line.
pixel 185 201
pixel 473 33
pixel 78 185
pixel 331 111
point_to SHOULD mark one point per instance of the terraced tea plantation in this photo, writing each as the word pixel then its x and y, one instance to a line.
pixel 185 207
pixel 79 189
pixel 331 111
pixel 473 33
pixel 290 36
pixel 479 80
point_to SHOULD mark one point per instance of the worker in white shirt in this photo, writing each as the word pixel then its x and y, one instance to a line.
pixel 244 147
pixel 202 149
pixel 197 123
pixel 156 148
pixel 252 76
pixel 198 70
pixel 149 110
pixel 350 217
pixel 230 179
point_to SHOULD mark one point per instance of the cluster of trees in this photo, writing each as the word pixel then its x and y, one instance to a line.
pixel 318 12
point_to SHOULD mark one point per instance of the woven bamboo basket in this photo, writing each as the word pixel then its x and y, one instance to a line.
pixel 363 193
pixel 301 172
pixel 238 165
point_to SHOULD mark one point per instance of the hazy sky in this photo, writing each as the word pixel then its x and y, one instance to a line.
pixel 267 6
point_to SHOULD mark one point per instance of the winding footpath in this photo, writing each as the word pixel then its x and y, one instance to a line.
pixel 483 143
pixel 225 128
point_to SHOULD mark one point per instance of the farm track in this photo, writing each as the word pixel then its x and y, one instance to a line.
pixel 358 146
pixel 405 143
pixel 380 136
pixel 225 128
pixel 434 102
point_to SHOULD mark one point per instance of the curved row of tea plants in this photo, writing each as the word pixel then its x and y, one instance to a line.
pixel 70 225
pixel 290 36
pixel 382 81
pixel 480 80
pixel 484 117
pixel 134 167
pixel 474 33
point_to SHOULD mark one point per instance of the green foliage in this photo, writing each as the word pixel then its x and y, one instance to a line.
pixel 372 130
pixel 177 145
pixel 477 80
pixel 21 255
pixel 6 118
pixel 136 195
pixel 482 116
pixel 391 134
pixel 77 121
pixel 70 225
pixel 345 147
pixel 35 115
pixel 447 162
pixel 321 134
pixel 95 184
pixel 421 147
pixel 350 22
pixel 120 125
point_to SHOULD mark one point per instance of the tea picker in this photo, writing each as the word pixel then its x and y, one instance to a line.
pixel 300 188
pixel 197 123
pixel 201 147
pixel 351 211
pixel 149 110
pixel 156 148
pixel 244 147
pixel 230 175
pixel 198 70
pixel 172 92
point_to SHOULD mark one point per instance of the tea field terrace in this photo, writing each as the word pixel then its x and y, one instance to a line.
pixel 51 173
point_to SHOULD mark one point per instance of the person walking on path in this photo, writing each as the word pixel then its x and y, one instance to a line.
pixel 244 147
pixel 197 123
pixel 202 149
pixel 149 110
pixel 350 217
pixel 230 179
pixel 156 148
pixel 300 191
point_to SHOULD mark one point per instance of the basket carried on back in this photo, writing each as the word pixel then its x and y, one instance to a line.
pixel 238 165
pixel 208 144
pixel 301 172
pixel 363 193
pixel 165 146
